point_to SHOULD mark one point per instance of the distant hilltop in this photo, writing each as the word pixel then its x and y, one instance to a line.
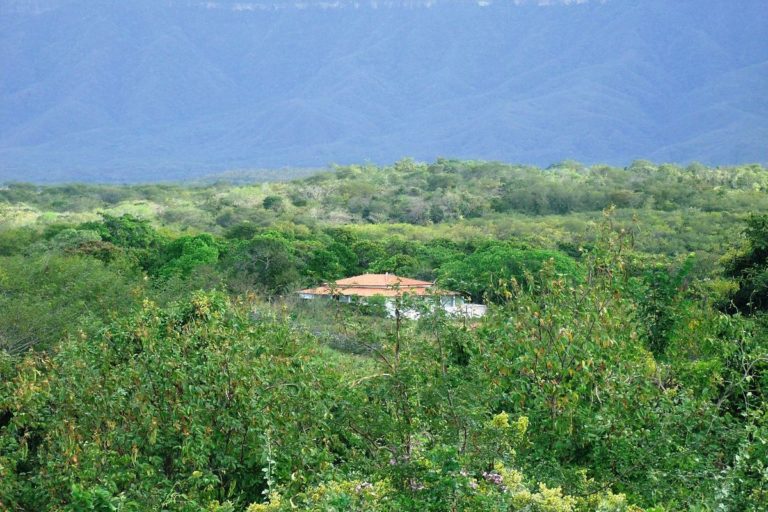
pixel 373 4
pixel 41 6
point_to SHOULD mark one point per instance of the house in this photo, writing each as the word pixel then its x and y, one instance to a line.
pixel 392 288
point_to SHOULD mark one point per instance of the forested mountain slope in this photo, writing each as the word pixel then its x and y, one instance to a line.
pixel 133 91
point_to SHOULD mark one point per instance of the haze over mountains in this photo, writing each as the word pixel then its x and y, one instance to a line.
pixel 147 89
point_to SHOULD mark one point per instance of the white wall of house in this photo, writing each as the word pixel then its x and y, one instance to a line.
pixel 467 310
pixel 455 308
pixel 453 305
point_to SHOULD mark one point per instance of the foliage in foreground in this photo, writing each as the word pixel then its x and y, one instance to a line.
pixel 200 406
pixel 193 406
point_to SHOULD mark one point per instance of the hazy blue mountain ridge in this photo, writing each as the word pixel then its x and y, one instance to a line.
pixel 146 89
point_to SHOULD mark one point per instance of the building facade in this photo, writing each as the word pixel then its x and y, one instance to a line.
pixel 393 289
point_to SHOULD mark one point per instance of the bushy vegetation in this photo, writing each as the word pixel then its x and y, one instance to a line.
pixel 155 361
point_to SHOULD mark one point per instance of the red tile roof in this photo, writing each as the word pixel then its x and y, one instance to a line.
pixel 381 281
pixel 368 285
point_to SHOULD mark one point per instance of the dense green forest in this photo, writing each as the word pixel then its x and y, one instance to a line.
pixel 153 355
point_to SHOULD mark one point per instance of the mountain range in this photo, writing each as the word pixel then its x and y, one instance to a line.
pixel 117 91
